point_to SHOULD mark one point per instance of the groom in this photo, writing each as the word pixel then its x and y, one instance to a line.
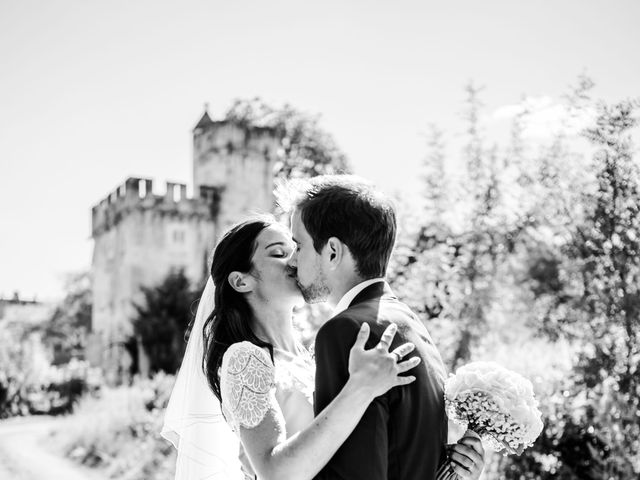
pixel 344 231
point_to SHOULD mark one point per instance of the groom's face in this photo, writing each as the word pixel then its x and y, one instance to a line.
pixel 307 263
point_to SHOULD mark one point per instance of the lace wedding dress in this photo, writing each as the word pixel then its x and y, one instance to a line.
pixel 249 380
pixel 194 421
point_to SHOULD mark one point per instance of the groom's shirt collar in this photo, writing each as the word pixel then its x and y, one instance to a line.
pixel 348 297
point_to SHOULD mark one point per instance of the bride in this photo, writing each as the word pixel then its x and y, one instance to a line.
pixel 259 422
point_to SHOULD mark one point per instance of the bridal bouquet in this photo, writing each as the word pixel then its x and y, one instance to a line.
pixel 495 403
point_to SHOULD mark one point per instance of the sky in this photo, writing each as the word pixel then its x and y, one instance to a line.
pixel 92 92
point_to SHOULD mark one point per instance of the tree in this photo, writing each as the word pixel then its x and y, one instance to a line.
pixel 552 244
pixel 162 320
pixel 434 177
pixel 594 300
pixel 606 252
pixel 307 150
pixel 67 330
pixel 447 271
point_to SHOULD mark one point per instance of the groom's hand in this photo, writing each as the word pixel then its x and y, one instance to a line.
pixel 467 457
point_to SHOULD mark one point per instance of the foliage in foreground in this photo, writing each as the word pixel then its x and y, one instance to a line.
pixel 524 245
pixel 119 431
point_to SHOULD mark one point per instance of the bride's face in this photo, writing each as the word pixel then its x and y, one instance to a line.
pixel 274 281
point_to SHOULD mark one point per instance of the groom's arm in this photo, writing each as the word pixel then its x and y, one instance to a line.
pixel 364 455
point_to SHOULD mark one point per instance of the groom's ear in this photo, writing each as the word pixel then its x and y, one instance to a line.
pixel 239 282
pixel 335 250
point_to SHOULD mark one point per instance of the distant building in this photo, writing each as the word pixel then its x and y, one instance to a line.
pixel 22 313
pixel 140 236
pixel 20 329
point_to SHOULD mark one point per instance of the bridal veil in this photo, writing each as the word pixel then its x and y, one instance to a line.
pixel 207 447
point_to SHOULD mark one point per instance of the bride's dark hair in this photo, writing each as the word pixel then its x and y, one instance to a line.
pixel 230 321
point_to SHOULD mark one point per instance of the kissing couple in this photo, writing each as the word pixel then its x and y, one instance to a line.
pixel 250 402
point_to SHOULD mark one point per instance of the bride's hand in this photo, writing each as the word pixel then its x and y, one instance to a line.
pixel 377 370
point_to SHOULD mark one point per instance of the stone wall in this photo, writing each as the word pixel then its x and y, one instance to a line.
pixel 139 237
pixel 238 161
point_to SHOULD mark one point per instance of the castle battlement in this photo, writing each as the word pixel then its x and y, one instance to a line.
pixel 137 194
pixel 140 235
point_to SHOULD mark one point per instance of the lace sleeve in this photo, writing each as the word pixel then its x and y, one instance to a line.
pixel 246 380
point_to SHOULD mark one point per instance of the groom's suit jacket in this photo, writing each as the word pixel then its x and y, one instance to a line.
pixel 403 433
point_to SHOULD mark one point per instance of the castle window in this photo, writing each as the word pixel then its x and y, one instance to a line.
pixel 178 236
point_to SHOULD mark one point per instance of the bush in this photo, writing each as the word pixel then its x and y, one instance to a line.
pixel 118 430
pixel 12 396
pixel 54 391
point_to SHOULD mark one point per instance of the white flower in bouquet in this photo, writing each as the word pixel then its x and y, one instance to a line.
pixel 496 403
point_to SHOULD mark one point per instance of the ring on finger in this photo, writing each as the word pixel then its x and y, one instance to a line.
pixel 397 355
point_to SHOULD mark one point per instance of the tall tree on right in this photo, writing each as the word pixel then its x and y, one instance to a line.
pixel 606 254
pixel 480 247
pixel 593 431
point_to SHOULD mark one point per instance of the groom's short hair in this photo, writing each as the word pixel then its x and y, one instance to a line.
pixel 348 208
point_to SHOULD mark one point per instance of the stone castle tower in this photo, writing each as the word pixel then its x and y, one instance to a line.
pixel 140 236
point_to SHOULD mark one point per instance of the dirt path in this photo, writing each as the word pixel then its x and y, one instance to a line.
pixel 24 454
